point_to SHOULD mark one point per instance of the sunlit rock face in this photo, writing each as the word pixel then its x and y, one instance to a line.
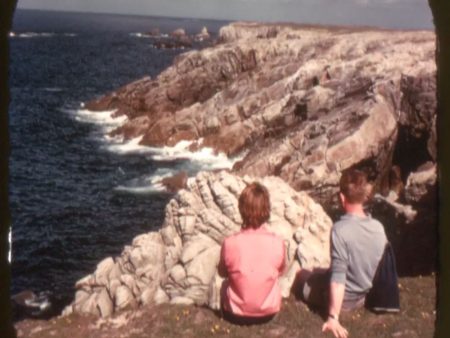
pixel 303 103
pixel 178 264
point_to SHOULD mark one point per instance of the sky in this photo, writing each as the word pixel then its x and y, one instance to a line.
pixel 382 13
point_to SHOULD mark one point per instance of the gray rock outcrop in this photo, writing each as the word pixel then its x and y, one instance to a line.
pixel 178 264
pixel 303 103
pixel 203 35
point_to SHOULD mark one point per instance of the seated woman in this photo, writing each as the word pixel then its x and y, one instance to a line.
pixel 252 261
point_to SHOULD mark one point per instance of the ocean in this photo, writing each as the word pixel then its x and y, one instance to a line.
pixel 76 194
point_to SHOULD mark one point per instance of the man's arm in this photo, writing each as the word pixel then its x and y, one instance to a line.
pixel 339 262
pixel 337 291
pixel 332 324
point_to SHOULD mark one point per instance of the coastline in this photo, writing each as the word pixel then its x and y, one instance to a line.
pixel 268 32
pixel 442 303
pixel 304 104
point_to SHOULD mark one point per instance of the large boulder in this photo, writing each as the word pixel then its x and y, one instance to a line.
pixel 178 264
pixel 179 32
pixel 203 35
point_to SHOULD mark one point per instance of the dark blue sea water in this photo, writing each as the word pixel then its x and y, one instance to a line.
pixel 66 209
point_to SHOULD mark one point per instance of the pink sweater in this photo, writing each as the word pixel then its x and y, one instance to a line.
pixel 252 259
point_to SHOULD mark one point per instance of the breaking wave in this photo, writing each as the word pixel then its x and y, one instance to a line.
pixel 147 35
pixel 38 35
pixel 168 160
pixel 104 119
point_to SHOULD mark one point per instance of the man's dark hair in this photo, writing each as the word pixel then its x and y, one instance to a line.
pixel 354 186
pixel 254 205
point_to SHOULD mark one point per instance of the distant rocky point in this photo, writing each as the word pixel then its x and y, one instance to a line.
pixel 178 39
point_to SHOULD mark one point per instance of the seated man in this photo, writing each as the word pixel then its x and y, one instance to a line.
pixel 252 261
pixel 357 245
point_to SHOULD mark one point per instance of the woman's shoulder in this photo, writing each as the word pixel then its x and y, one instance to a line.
pixel 273 235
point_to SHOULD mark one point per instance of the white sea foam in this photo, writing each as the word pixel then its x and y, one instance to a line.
pixel 34 35
pixel 109 140
pixel 148 184
pixel 38 35
pixel 148 189
pixel 127 147
pixel 139 35
pixel 204 158
pixel 105 119
pixel 146 35
pixel 52 89
pixel 171 159
pixel 181 158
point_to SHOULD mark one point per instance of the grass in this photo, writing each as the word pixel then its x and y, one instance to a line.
pixel 416 319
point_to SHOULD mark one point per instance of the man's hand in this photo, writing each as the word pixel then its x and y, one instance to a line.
pixel 335 327
pixel 337 291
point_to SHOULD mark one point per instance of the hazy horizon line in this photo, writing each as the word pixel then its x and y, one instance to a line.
pixel 329 25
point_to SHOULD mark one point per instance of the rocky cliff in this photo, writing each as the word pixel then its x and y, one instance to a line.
pixel 301 103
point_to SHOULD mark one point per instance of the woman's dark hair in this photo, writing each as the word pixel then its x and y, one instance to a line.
pixel 254 205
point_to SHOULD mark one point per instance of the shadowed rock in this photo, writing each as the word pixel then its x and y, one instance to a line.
pixel 175 182
pixel 410 222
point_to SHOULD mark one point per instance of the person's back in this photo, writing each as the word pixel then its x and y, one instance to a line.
pixel 254 259
pixel 358 244
pixel 251 261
